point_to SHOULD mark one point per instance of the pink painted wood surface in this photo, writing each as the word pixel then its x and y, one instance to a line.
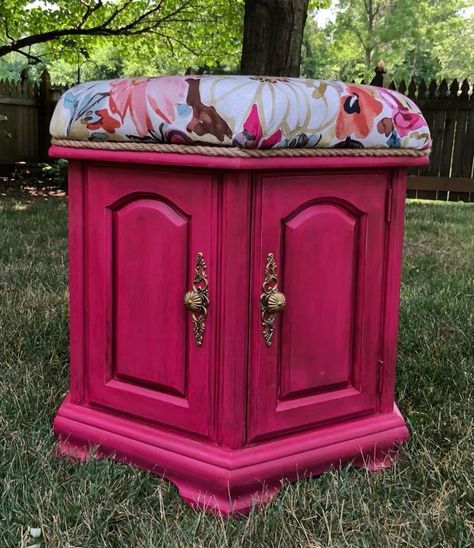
pixel 224 419
pixel 222 481
pixel 233 286
pixel 219 162
pixel 327 237
pixel 147 293
pixel 76 188
pixel 144 230
pixel 391 294
pixel 323 244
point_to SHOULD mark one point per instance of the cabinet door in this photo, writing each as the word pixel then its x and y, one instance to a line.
pixel 327 234
pixel 144 229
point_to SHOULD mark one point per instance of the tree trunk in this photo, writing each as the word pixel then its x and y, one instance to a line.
pixel 368 57
pixel 273 33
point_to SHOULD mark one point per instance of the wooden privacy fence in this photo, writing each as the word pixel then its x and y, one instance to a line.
pixel 25 112
pixel 450 116
pixel 449 110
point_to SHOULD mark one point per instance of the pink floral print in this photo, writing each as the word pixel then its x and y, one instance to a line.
pixel 242 111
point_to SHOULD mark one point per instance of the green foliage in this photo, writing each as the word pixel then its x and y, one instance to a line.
pixel 202 33
pixel 54 173
pixel 419 38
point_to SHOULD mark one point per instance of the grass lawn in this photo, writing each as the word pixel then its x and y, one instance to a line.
pixel 425 500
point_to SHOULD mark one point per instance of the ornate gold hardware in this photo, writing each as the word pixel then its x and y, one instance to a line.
pixel 272 301
pixel 197 300
pixel 192 301
pixel 276 301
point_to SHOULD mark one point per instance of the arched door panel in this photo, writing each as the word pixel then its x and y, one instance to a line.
pixel 327 237
pixel 144 232
pixel 148 294
pixel 322 260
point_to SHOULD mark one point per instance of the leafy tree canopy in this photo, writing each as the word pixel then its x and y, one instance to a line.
pixel 115 37
pixel 419 38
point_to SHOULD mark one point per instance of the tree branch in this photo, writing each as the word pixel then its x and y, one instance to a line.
pixel 7 32
pixel 116 13
pixel 377 9
pixel 37 60
pixel 144 16
pixel 130 29
pixel 90 9
pixel 170 39
pixel 356 31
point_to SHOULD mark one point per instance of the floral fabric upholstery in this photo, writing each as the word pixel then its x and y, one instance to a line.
pixel 242 111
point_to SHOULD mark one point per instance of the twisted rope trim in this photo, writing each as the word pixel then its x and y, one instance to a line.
pixel 234 152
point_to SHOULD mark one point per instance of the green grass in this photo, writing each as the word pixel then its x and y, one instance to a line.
pixel 425 500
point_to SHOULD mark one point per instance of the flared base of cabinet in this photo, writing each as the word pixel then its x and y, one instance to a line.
pixel 228 481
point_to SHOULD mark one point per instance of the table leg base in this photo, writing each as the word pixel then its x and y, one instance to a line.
pixel 225 481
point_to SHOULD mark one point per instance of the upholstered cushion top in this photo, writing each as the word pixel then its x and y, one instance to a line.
pixel 242 111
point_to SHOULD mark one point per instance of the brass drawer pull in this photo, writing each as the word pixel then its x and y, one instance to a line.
pixel 197 300
pixel 272 301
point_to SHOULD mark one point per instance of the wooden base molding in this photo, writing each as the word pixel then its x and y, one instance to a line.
pixel 222 480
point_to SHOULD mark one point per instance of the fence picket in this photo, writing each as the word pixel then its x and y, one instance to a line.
pixel 422 89
pixel 468 153
pixel 448 140
pixel 437 134
pixel 453 89
pixel 464 90
pixel 443 89
pixel 459 140
pixel 466 147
